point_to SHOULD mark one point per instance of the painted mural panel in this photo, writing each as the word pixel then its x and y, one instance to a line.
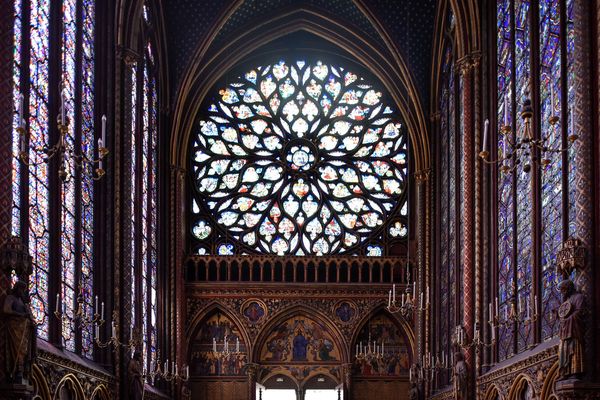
pixel 396 358
pixel 300 340
pixel 208 349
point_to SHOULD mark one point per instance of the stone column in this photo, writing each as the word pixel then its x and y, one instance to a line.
pixel 421 179
pixel 468 200
pixel 252 371
pixel 583 161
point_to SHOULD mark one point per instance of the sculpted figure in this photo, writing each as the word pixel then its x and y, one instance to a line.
pixel 135 377
pixel 571 331
pixel 20 333
pixel 461 377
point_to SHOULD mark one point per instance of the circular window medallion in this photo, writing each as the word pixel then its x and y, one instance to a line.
pixel 299 158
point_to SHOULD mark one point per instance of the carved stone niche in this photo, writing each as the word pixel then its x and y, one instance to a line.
pixel 15 257
pixel 571 257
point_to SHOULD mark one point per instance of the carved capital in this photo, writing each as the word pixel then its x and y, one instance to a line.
pixel 129 56
pixel 423 175
pixel 571 257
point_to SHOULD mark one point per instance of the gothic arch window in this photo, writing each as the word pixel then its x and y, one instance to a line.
pixel 64 251
pixel 535 210
pixel 450 184
pixel 142 176
pixel 301 157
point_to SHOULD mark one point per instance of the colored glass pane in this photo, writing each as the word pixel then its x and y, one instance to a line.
pixel 299 158
pixel 38 174
pixel 505 181
pixel 524 181
pixel 551 185
pixel 571 100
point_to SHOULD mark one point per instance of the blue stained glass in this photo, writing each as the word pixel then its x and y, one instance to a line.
pixel 68 190
pixel 87 185
pixel 571 126
pixel 523 184
pixel 505 181
pixel 38 174
pixel 551 189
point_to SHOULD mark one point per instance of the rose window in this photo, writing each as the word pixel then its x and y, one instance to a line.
pixel 298 158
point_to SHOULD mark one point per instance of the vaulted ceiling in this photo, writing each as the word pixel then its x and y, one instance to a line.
pixel 408 23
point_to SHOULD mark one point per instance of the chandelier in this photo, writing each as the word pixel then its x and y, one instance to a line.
pixel 89 166
pixel 226 351
pixel 368 352
pixel 524 148
pixel 408 300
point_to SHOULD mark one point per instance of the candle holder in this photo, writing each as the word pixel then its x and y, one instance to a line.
pixel 459 338
pixel 526 149
pixel 168 375
pixel 408 303
pixel 92 167
pixel 368 353
pixel 225 353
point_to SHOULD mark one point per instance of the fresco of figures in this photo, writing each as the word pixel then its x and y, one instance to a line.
pixel 396 359
pixel 205 362
pixel 300 340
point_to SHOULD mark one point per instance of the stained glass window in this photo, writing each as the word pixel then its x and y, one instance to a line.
pixel 518 257
pixel 450 161
pixel 32 197
pixel 143 192
pixel 297 157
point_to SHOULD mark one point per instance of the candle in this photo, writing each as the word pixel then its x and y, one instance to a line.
pixel 166 366
pixel 414 291
pixel 394 292
pixel 20 109
pixel 103 129
pixel 552 98
pixel 97 332
pixel 57 302
pixel 389 299
pixel 187 371
pixel 535 312
pixel 497 313
pixel 114 333
pixel 175 368
pixel 102 313
pixel 486 127
pixel 506 109
pixel 572 120
pixel 96 305
pixel 63 100
pixel 214 345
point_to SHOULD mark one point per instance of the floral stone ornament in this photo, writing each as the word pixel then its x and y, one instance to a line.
pixel 299 158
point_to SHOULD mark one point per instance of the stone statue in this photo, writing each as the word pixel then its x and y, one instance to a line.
pixel 135 377
pixel 461 377
pixel 20 333
pixel 571 331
